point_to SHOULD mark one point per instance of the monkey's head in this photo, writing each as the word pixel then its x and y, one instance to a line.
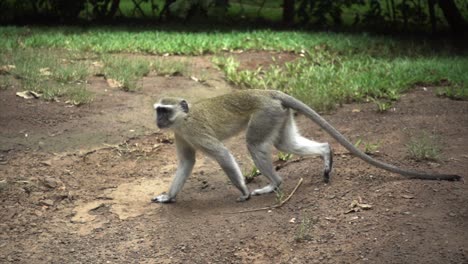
pixel 169 110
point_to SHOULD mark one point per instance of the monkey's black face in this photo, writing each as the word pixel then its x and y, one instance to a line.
pixel 163 115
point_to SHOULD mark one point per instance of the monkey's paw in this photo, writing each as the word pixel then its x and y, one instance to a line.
pixel 163 198
pixel 243 198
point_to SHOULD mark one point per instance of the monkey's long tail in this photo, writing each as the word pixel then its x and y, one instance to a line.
pixel 291 102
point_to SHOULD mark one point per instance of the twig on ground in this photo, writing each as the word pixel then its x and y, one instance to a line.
pixel 273 206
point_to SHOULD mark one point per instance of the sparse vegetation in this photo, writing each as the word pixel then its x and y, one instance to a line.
pixel 303 230
pixel 424 146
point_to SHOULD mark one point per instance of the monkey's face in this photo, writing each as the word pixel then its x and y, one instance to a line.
pixel 164 116
pixel 169 110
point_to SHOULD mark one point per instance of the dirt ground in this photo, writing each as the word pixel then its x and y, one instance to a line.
pixel 76 184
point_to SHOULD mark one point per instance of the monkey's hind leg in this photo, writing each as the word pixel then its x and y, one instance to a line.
pixel 289 140
pixel 260 136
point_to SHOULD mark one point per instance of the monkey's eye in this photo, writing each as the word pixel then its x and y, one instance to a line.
pixel 162 110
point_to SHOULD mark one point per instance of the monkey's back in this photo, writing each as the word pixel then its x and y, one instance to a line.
pixel 231 113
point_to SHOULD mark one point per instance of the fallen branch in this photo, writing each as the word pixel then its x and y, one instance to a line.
pixel 273 206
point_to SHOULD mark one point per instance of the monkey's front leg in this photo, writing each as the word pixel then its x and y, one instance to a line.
pixel 231 168
pixel 186 156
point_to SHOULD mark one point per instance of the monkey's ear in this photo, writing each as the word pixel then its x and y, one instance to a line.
pixel 184 106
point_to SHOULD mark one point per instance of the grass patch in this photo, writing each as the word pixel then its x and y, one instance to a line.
pixel 336 67
pixel 324 78
pixel 454 92
pixel 424 147
pixel 71 72
pixel 170 68
pixel 50 73
pixel 182 40
pixel 126 71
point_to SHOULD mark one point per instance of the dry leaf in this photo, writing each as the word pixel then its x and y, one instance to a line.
pixel 365 206
pixel 194 78
pixel 35 94
pixel 72 103
pixel 114 83
pixel 356 110
pixel 357 205
pixel 45 71
pixel 407 196
pixel 28 94
pixel 5 69
pixel 98 64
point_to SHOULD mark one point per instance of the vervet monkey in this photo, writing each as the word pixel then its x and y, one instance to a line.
pixel 268 117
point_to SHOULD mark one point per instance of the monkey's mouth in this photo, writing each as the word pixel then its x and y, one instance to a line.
pixel 162 125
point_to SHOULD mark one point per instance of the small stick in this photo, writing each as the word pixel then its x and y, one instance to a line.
pixel 273 206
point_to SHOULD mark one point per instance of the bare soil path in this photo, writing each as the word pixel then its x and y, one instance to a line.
pixel 76 184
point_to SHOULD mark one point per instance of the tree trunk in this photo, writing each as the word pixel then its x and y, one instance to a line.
pixel 432 16
pixel 452 15
pixel 288 12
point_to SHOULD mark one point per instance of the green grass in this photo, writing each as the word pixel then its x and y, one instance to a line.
pixel 170 67
pixel 194 41
pixel 5 82
pixel 324 79
pixel 250 175
pixel 369 148
pixel 335 68
pixel 126 71
pixel 51 74
pixel 455 92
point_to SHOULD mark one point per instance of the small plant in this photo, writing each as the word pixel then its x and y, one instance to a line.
pixel 424 147
pixel 369 148
pixel 303 230
pixel 230 68
pixel 249 176
pixel 279 195
pixel 284 156
pixel 382 106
